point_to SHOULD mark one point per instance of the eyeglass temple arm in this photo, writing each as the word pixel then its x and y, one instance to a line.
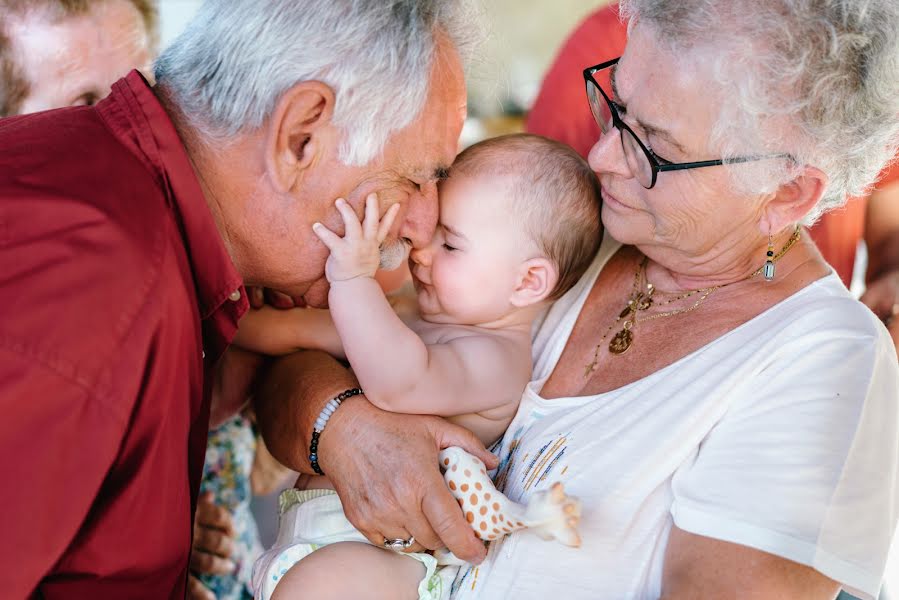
pixel 715 163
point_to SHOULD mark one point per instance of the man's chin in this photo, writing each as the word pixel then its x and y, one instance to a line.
pixel 317 294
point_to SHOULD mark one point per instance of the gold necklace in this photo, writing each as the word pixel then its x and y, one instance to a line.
pixel 641 300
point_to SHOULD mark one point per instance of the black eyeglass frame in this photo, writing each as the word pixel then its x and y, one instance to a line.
pixel 655 161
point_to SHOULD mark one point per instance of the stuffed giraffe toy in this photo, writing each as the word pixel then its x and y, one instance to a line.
pixel 551 513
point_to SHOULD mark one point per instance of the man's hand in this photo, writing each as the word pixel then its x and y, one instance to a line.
pixel 212 547
pixel 384 467
pixel 358 253
pixel 882 297
pixel 234 376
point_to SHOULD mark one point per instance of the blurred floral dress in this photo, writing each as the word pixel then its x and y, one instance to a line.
pixel 226 474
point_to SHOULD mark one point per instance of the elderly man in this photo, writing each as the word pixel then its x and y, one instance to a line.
pixel 128 232
pixel 57 53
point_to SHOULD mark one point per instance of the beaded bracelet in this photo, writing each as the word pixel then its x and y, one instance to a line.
pixel 322 420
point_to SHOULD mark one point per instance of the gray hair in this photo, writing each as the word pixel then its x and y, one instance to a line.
pixel 817 79
pixel 228 69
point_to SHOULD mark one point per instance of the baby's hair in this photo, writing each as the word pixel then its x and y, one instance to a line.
pixel 554 191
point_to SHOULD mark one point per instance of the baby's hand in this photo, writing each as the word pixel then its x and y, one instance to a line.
pixel 357 254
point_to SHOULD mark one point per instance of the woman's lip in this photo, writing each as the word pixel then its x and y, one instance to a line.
pixel 610 199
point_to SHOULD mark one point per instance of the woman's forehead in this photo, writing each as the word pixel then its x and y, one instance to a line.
pixel 667 91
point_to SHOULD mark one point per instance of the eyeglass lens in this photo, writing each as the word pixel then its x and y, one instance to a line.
pixel 637 160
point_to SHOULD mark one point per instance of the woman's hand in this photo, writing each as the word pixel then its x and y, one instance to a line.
pixel 385 468
pixel 358 253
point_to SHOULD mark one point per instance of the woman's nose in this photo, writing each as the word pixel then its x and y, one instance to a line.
pixel 607 155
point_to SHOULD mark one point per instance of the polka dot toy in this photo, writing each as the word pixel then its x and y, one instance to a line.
pixel 550 513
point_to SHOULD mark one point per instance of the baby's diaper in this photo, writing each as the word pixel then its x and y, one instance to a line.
pixel 310 519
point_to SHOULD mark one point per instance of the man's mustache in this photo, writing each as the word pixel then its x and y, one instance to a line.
pixel 393 254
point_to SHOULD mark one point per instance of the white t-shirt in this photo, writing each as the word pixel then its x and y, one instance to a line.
pixel 782 435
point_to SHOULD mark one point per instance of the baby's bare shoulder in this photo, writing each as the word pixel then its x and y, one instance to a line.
pixel 490 347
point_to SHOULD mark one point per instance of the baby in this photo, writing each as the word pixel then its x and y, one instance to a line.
pixel 519 224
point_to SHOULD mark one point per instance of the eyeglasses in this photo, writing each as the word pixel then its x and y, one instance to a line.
pixel 643 162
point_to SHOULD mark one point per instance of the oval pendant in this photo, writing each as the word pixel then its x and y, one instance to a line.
pixel 621 342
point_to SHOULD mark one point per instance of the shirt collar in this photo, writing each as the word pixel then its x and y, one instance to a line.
pixel 154 135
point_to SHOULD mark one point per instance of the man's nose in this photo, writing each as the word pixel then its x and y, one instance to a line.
pixel 422 255
pixel 607 155
pixel 421 216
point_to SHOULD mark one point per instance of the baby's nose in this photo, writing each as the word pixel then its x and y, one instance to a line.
pixel 421 256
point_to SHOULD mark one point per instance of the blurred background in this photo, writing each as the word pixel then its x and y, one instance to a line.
pixel 523 38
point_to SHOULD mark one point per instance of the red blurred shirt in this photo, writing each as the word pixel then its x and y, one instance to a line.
pixel 113 282
pixel 561 112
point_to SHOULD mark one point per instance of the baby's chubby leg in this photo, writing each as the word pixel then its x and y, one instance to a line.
pixel 352 570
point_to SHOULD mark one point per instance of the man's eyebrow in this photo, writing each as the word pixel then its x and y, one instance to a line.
pixel 425 174
pixel 649 129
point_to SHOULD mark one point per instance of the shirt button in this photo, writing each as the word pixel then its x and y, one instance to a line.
pixel 235 296
pixel 203 353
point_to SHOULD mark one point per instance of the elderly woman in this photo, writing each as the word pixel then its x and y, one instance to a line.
pixel 722 405
pixel 724 408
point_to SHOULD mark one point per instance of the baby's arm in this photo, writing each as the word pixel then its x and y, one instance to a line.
pixel 273 331
pixel 397 370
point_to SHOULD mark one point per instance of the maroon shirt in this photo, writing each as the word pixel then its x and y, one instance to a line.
pixel 113 282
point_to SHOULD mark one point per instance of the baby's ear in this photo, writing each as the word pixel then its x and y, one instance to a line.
pixel 537 279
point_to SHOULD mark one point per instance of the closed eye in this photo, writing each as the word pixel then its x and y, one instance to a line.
pixel 449 248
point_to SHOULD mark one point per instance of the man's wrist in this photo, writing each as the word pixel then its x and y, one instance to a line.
pixel 323 419
pixel 342 426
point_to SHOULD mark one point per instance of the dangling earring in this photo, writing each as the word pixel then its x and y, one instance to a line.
pixel 769 264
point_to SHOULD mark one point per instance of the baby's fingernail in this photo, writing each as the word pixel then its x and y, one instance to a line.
pixel 230 566
pixel 316 225
pixel 340 202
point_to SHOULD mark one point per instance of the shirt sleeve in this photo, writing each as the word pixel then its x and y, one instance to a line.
pixel 56 445
pixel 804 464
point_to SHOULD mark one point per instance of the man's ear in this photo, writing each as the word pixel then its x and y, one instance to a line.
pixel 793 200
pixel 297 131
pixel 537 279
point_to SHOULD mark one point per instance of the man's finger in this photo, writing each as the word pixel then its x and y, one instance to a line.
pixel 443 513
pixel 451 435
pixel 210 564
pixel 256 296
pixel 277 299
pixel 213 541
pixel 198 591
pixel 419 527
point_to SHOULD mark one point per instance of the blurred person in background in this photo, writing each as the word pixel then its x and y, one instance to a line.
pixel 561 113
pixel 56 53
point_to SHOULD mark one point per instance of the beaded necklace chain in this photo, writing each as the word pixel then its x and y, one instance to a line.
pixel 642 297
